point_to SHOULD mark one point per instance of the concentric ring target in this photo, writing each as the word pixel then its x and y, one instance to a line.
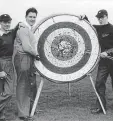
pixel 68 48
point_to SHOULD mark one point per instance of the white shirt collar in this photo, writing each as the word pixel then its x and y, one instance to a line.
pixel 2 32
pixel 30 27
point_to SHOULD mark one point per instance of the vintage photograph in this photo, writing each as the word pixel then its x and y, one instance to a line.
pixel 56 60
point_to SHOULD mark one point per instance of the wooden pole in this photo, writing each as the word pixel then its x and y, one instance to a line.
pixel 69 88
pixel 37 97
pixel 97 94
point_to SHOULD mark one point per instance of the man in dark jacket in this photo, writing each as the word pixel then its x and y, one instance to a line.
pixel 7 37
pixel 105 68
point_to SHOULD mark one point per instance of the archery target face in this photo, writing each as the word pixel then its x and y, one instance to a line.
pixel 68 48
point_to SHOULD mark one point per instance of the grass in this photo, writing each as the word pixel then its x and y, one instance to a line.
pixel 55 103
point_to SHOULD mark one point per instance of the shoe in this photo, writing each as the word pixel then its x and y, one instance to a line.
pixel 26 118
pixel 3 119
pixel 96 111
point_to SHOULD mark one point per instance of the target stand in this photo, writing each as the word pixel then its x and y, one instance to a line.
pixel 69 51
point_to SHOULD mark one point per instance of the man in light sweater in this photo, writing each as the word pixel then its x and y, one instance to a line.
pixel 26 51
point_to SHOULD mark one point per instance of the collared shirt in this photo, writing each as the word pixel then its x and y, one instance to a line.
pixel 25 41
pixel 3 32
pixel 30 27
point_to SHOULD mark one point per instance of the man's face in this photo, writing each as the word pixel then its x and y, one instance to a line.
pixel 103 20
pixel 5 25
pixel 31 18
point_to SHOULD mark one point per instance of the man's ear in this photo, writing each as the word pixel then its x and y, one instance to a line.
pixel 105 16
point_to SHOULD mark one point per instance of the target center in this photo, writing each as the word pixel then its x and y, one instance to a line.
pixel 64 47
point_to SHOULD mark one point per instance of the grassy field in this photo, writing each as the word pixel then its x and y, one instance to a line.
pixel 55 103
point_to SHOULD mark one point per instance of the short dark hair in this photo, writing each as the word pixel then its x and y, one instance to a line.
pixel 33 10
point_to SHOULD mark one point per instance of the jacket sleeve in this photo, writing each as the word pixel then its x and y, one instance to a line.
pixel 0 65
pixel 14 31
pixel 0 68
pixel 28 40
pixel 110 52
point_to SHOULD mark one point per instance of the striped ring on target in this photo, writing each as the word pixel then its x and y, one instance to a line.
pixel 68 48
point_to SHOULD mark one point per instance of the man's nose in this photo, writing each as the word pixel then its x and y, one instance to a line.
pixel 33 18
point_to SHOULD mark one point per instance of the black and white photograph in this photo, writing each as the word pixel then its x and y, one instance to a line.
pixel 56 60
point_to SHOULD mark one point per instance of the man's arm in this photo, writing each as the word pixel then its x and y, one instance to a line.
pixel 14 31
pixel 0 68
pixel 84 17
pixel 18 26
pixel 110 52
pixel 2 73
pixel 28 40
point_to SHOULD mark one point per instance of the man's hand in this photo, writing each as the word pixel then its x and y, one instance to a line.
pixel 103 55
pixel 37 57
pixel 82 17
pixel 22 25
pixel 2 74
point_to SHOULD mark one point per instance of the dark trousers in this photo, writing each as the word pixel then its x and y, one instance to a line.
pixel 1 85
pixel 23 65
pixel 105 69
pixel 7 84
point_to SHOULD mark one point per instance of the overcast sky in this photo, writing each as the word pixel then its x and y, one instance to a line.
pixel 17 8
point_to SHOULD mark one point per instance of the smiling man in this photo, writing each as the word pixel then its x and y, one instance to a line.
pixel 31 17
pixel 26 48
